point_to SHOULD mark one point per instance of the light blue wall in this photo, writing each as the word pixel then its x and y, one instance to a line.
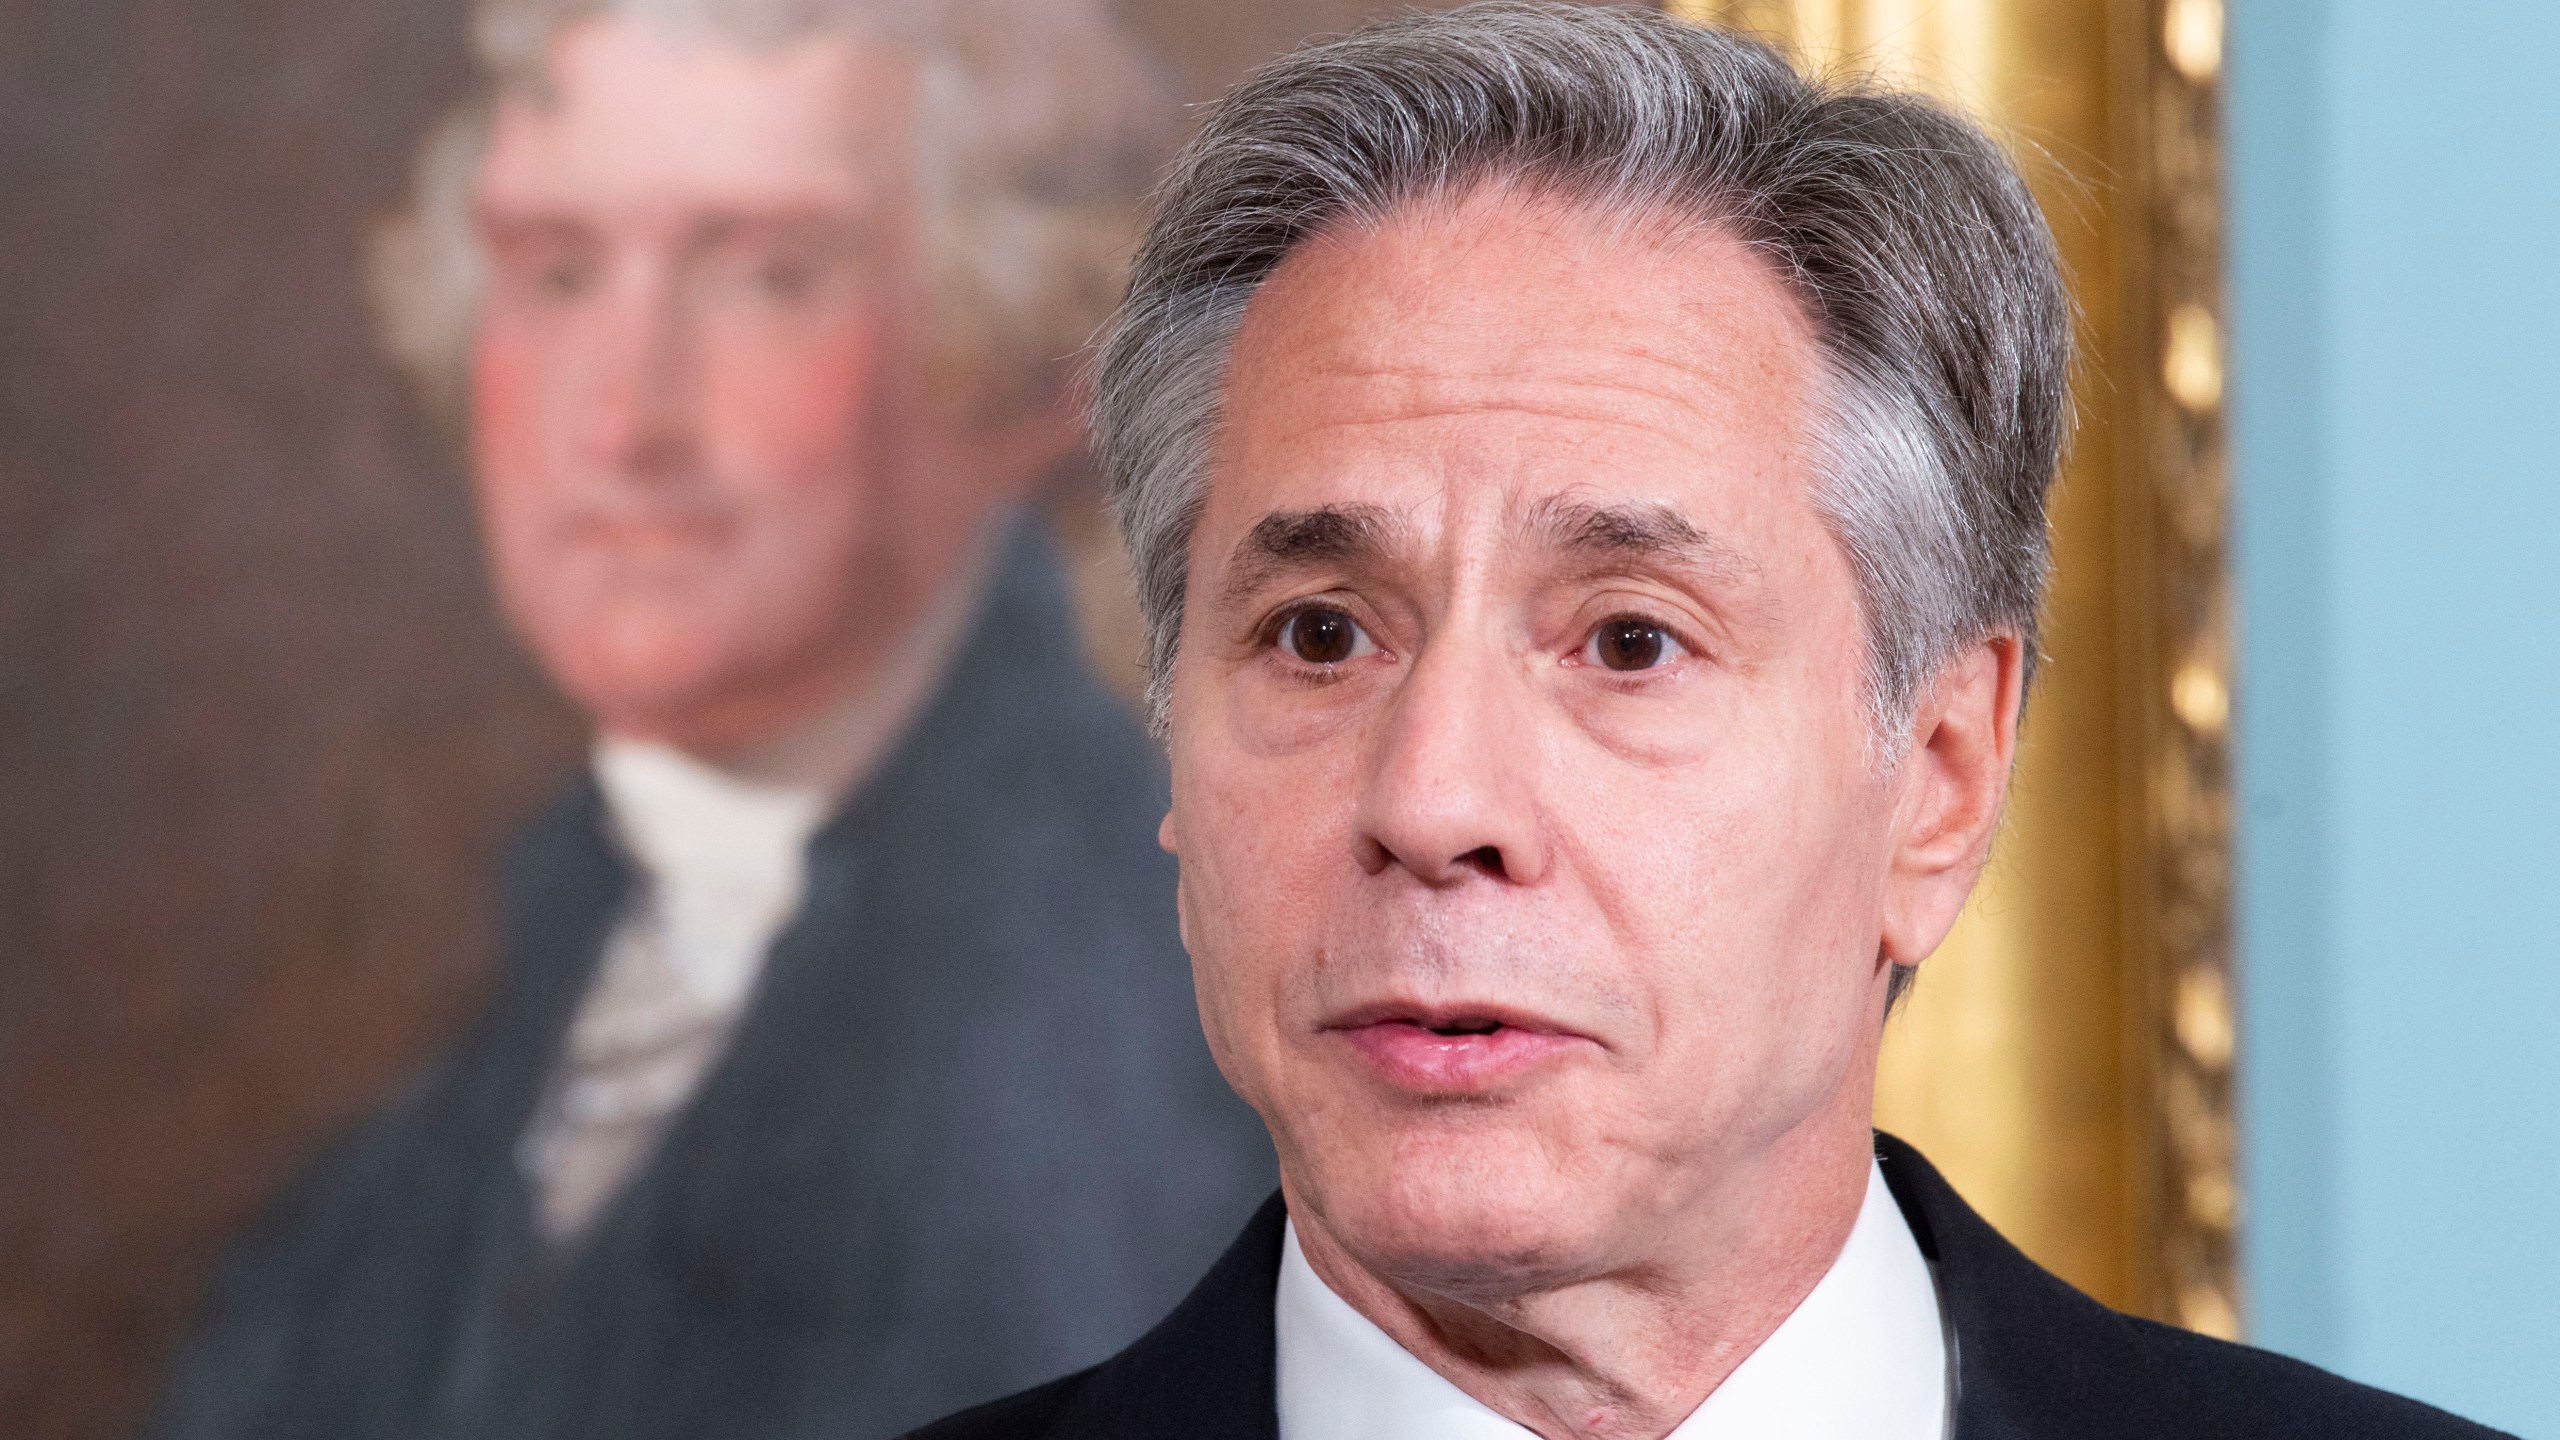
pixel 2396 315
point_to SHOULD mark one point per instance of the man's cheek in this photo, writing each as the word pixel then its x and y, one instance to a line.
pixel 1231 986
pixel 797 408
pixel 1236 910
pixel 506 430
pixel 1261 875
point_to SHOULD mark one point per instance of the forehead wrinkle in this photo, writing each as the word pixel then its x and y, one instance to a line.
pixel 1637 396
pixel 1708 552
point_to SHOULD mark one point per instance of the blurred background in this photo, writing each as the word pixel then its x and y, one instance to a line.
pixel 2247 1030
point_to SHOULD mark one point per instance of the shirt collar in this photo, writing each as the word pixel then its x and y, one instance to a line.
pixel 1863 1357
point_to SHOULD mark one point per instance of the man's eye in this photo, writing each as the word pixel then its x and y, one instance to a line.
pixel 563 277
pixel 1625 642
pixel 786 280
pixel 1321 635
pixel 775 277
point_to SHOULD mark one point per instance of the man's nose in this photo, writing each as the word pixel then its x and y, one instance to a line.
pixel 1451 792
pixel 637 417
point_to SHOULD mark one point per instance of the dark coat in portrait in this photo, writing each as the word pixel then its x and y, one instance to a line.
pixel 966 1137
pixel 2033 1359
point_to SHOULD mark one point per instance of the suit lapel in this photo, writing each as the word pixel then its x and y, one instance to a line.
pixel 2034 1358
pixel 1205 1373
pixel 563 886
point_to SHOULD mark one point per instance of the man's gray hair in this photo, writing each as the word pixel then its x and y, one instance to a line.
pixel 1911 240
pixel 1039 128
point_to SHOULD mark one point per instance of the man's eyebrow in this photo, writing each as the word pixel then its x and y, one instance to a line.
pixel 529 223
pixel 1285 541
pixel 1637 532
pixel 788 222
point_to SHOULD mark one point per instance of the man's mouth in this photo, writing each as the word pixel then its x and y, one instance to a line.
pixel 1454 1049
pixel 644 529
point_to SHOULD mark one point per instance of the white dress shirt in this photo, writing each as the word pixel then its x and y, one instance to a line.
pixel 718 849
pixel 1864 1357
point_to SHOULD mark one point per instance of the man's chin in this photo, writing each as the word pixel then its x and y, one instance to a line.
pixel 679 694
pixel 1469 1221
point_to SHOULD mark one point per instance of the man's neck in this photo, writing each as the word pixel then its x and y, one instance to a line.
pixel 1629 1352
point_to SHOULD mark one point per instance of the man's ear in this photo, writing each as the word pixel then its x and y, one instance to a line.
pixel 1169 838
pixel 1949 789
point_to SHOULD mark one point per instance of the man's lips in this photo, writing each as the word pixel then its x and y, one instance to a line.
pixel 1454 1049
pixel 649 530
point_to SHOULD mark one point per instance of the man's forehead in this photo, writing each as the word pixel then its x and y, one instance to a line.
pixel 1501 283
pixel 635 114
pixel 1528 358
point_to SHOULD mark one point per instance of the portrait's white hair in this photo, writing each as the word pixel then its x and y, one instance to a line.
pixel 1038 126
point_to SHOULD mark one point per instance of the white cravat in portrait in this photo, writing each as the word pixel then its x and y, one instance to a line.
pixel 1863 1357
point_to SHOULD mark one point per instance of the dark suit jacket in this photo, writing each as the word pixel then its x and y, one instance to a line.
pixel 2036 1359
pixel 967 1135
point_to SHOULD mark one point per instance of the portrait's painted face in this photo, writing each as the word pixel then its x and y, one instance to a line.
pixel 1537 872
pixel 698 460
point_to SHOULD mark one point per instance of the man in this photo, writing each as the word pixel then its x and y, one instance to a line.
pixel 1587 485
pixel 843 1068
